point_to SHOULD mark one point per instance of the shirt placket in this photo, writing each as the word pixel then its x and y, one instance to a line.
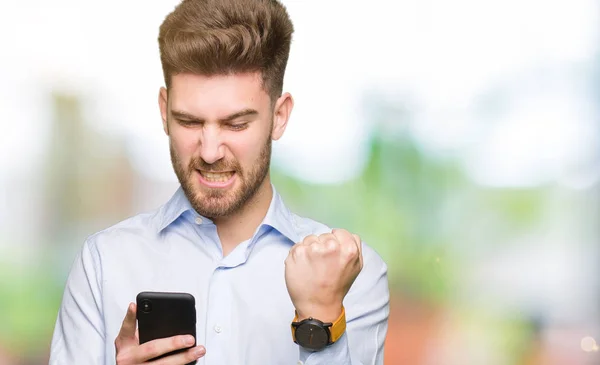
pixel 218 318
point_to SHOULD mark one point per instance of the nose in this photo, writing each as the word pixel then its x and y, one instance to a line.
pixel 211 145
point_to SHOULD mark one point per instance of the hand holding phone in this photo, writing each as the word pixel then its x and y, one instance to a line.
pixel 131 352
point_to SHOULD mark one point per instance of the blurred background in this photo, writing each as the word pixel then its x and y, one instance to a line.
pixel 460 139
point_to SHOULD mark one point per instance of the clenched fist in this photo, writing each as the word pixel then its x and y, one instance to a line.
pixel 319 271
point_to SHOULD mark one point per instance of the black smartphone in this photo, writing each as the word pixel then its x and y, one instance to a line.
pixel 162 314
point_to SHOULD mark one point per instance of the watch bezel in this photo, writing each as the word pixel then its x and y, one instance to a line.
pixel 325 326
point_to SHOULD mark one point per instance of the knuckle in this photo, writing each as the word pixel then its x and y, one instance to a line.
pixel 176 342
pixel 348 256
pixel 331 245
pixel 319 246
pixel 299 250
pixel 341 230
pixel 350 252
pixel 151 348
pixel 352 249
pixel 326 236
pixel 309 238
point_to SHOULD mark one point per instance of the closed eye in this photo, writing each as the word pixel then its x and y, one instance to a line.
pixel 188 123
pixel 237 126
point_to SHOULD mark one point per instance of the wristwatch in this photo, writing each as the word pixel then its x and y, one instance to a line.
pixel 315 335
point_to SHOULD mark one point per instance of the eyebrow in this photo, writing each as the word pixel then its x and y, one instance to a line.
pixel 183 115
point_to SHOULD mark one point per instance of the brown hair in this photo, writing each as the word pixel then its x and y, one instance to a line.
pixel 214 37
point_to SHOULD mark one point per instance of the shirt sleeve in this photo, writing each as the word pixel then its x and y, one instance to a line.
pixel 79 332
pixel 367 312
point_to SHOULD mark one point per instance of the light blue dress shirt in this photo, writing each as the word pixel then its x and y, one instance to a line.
pixel 243 308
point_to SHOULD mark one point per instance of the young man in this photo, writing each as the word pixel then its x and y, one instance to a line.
pixel 225 236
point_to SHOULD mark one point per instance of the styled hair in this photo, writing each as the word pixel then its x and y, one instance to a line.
pixel 220 37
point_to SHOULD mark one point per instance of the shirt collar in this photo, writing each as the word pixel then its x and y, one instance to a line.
pixel 173 209
pixel 280 218
pixel 278 215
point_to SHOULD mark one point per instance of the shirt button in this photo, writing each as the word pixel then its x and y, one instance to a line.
pixel 198 220
pixel 218 329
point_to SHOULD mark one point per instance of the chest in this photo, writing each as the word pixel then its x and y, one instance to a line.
pixel 243 309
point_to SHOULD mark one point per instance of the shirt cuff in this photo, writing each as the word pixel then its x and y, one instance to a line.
pixel 334 354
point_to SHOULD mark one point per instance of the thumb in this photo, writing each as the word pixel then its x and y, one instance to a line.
pixel 127 333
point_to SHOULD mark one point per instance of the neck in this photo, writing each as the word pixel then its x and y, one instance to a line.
pixel 241 225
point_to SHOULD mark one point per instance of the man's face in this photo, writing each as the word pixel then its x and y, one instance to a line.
pixel 220 131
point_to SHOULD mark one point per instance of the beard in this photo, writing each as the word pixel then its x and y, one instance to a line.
pixel 216 202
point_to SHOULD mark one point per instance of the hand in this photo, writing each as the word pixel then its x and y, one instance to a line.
pixel 130 352
pixel 319 272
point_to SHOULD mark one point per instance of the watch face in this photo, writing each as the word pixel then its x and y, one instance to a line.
pixel 312 336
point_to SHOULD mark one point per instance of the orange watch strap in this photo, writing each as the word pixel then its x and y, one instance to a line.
pixel 338 327
pixel 336 330
pixel 294 328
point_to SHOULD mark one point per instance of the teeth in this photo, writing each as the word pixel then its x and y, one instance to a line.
pixel 216 177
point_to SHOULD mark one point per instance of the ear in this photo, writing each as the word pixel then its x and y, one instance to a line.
pixel 163 104
pixel 281 115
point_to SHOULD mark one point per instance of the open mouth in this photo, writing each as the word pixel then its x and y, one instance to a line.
pixel 216 177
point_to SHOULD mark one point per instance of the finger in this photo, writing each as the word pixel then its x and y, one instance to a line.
pixel 360 250
pixel 309 239
pixel 298 250
pixel 155 348
pixel 182 358
pixel 326 237
pixel 328 244
pixel 346 239
pixel 350 251
pixel 358 242
pixel 127 332
pixel 343 236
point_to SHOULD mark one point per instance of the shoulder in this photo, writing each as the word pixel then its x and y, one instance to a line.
pixel 142 226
